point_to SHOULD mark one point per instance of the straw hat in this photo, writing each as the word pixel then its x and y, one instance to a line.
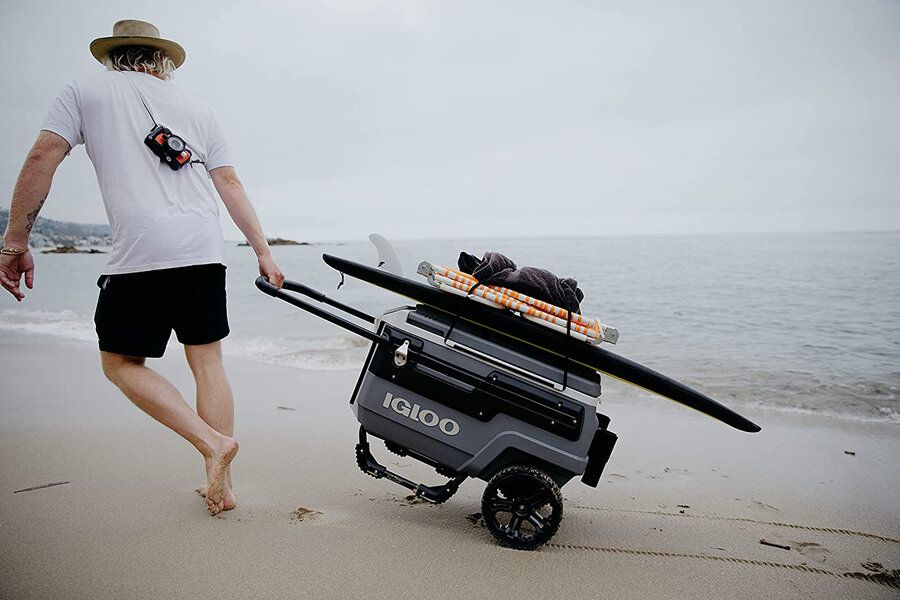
pixel 136 33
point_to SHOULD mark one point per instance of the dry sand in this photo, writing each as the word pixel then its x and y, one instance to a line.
pixel 679 512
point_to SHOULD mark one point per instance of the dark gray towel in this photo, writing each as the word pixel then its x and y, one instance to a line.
pixel 496 269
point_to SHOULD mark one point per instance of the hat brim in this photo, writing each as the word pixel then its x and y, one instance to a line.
pixel 101 47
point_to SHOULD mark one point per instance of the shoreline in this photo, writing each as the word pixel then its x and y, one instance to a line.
pixel 233 350
pixel 679 512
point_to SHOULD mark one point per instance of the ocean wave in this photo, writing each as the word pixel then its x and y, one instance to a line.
pixel 879 414
pixel 781 395
pixel 65 323
pixel 334 353
pixel 873 398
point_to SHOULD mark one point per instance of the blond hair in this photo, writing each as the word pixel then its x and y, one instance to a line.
pixel 140 58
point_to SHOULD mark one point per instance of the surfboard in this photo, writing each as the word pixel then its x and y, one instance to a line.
pixel 552 342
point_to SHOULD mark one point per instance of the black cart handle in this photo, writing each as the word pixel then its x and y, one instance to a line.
pixel 264 286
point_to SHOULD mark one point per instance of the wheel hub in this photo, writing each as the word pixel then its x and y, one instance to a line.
pixel 522 507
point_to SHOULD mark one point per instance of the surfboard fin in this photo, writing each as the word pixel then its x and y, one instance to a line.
pixel 388 259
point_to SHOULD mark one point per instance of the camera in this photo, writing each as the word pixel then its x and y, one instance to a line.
pixel 171 149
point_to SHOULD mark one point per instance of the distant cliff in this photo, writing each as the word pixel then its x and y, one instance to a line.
pixel 278 242
pixel 47 232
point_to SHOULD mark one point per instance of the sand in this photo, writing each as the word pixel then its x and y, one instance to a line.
pixel 679 512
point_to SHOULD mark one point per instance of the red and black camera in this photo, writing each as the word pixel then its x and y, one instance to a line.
pixel 171 149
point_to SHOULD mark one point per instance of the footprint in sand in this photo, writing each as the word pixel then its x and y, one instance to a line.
pixel 811 550
pixel 677 472
pixel 304 514
pixel 763 506
pixel 613 477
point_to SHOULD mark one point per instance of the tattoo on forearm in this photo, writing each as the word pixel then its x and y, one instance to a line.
pixel 32 216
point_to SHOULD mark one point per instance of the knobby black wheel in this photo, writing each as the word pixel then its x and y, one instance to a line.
pixel 522 507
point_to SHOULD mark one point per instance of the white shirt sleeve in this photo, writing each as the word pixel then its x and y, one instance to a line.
pixel 64 118
pixel 219 153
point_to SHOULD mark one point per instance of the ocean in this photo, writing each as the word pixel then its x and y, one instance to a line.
pixel 799 322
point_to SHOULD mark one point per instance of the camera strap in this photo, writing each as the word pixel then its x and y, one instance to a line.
pixel 141 97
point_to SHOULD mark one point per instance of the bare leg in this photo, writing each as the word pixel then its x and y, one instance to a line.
pixel 152 393
pixel 215 402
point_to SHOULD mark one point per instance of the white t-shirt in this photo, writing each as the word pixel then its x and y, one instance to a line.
pixel 160 218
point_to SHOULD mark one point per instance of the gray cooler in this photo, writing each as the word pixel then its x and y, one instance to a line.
pixel 470 402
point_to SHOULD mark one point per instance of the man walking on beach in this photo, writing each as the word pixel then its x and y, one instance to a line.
pixel 154 148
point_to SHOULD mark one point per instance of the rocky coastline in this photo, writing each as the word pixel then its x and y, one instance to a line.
pixel 48 233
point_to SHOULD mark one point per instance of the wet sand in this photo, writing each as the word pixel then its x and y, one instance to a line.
pixel 679 512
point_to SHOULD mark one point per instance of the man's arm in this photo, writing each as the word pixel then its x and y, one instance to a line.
pixel 29 195
pixel 238 204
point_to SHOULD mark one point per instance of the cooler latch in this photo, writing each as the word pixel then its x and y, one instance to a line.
pixel 401 353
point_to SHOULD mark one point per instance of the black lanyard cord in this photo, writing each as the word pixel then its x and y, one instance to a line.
pixel 141 97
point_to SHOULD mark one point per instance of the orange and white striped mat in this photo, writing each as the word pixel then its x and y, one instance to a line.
pixel 554 317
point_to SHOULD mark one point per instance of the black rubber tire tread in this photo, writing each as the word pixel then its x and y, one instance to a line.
pixel 556 501
pixel 395 448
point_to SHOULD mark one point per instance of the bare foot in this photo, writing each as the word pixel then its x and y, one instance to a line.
pixel 230 500
pixel 217 475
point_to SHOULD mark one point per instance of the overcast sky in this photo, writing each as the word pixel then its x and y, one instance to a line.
pixel 513 118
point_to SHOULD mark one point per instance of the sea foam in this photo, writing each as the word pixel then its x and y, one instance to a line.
pixel 65 323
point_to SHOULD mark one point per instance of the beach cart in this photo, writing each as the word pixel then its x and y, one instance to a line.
pixel 476 392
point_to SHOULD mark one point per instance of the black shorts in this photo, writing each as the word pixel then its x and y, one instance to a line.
pixel 136 312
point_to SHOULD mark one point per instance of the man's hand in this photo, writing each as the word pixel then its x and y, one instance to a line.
pixel 12 268
pixel 268 268
pixel 32 188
